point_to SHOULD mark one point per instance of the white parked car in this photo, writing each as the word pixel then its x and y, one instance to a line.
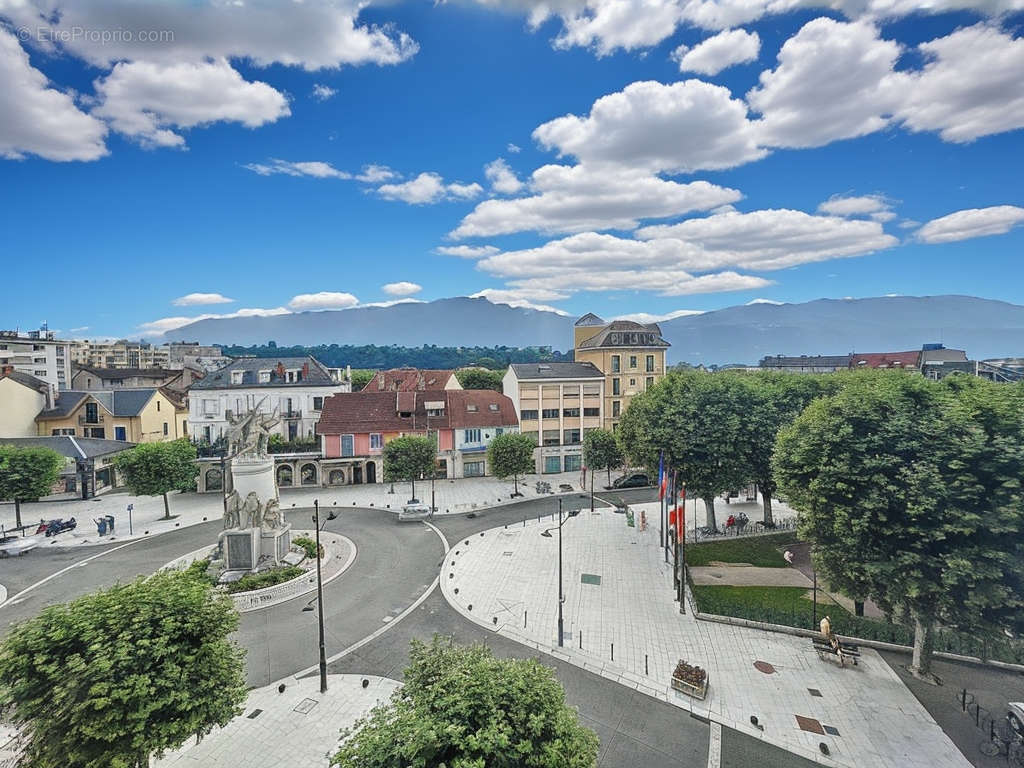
pixel 415 511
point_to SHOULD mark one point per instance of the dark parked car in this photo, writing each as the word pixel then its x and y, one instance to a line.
pixel 639 480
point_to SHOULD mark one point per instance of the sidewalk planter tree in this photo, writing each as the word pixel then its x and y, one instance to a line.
pixel 27 474
pixel 409 457
pixel 601 451
pixel 691 680
pixel 460 706
pixel 156 469
pixel 511 455
pixel 114 677
pixel 910 491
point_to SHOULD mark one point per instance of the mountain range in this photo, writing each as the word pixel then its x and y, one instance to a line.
pixel 742 334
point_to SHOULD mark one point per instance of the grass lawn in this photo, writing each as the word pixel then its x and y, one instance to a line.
pixel 789 606
pixel 757 550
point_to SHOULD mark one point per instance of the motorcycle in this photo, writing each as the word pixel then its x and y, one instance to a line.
pixel 52 527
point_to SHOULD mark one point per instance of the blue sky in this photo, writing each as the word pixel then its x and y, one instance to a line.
pixel 292 157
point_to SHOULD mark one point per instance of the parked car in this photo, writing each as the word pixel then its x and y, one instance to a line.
pixel 638 480
pixel 415 511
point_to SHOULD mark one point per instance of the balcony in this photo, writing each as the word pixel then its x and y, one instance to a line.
pixel 291 415
pixel 97 419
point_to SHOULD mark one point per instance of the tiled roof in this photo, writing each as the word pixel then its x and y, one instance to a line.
pixel 807 361
pixel 359 412
pixel 885 359
pixel 28 380
pixel 589 319
pixel 124 373
pixel 408 380
pixel 66 402
pixel 315 375
pixel 626 333
pixel 69 446
pixel 124 403
pixel 556 371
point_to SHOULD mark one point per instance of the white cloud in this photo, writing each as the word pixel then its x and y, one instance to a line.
pixel 315 168
pixel 851 205
pixel 36 119
pixel 196 299
pixel 522 299
pixel 502 178
pixel 374 174
pixel 403 288
pixel 834 80
pixel 165 324
pixel 79 329
pixel 323 92
pixel 645 317
pixel 428 188
pixel 513 149
pixel 726 49
pixel 973 222
pixel 322 300
pixel 145 101
pixel 391 303
pixel 467 251
pixel 686 126
pixel 578 198
pixel 765 301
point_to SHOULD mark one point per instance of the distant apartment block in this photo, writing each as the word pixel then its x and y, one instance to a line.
pixel 119 354
pixel 630 355
pixel 557 404
pixel 932 360
pixel 39 354
pixel 806 363
pixel 195 355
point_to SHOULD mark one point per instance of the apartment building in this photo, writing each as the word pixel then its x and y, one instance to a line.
pixel 557 404
pixel 119 354
pixel 411 380
pixel 147 415
pixel 192 354
pixel 37 353
pixel 632 357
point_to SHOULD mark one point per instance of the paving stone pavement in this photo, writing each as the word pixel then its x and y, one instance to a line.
pixel 618 592
pixel 298 728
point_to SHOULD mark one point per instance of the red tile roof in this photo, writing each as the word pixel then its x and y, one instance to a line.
pixel 885 359
pixel 408 380
pixel 358 412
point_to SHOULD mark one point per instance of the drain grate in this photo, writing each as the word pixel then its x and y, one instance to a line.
pixel 306 706
pixel 254 714
pixel 814 692
pixel 590 578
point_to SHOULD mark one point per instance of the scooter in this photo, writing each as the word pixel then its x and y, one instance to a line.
pixel 60 526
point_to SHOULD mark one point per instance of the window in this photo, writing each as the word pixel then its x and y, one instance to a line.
pixel 552 464
pixel 96 432
pixel 650 363
pixel 573 463
pixel 550 437
pixel 615 408
pixel 264 378
pixel 39 373
pixel 616 388
pixel 209 407
pixel 615 363
pixel 65 431
pixel 591 411
pixel 376 441
pixel 120 434
pixel 471 436
pixel 527 415
pixel 471 407
pixel 572 412
pixel 92 415
pixel 493 407
pixel 318 403
pixel 571 392
pixel 550 413
pixel 650 382
pixel 435 412
pixel 238 405
pixel 591 389
pixel 236 377
pixel 572 437
pixel 473 469
pixel 632 361
pixel 39 360
pixel 632 382
pixel 498 432
pixel 165 428
pixel 158 408
pixel 348 445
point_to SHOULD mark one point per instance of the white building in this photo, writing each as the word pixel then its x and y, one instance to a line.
pixel 119 353
pixel 292 388
pixel 193 354
pixel 39 354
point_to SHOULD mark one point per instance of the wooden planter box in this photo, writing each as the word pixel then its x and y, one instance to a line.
pixel 696 691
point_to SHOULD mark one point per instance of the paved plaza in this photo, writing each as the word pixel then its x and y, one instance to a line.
pixel 621 622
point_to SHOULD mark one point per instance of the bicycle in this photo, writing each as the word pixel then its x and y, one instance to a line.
pixel 1012 748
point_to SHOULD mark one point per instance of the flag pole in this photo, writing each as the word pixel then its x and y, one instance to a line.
pixel 682 553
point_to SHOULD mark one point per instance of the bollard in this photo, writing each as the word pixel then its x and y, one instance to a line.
pixel 581 639
pixel 646 670
pixel 613 651
pixel 524 619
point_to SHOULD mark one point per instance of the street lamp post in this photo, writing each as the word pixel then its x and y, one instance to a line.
pixel 320 600
pixel 561 594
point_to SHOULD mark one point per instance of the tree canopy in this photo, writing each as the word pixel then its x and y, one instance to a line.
pixel 511 455
pixel 477 378
pixel 114 677
pixel 463 708
pixel 601 451
pixel 360 378
pixel 156 469
pixel 910 491
pixel 408 458
pixel 27 474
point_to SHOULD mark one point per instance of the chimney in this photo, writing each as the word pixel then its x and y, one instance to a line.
pixel 305 370
pixel 6 370
pixel 280 370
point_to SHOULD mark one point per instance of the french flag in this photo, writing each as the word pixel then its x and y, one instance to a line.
pixel 661 475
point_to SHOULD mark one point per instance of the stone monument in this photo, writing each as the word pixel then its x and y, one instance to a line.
pixel 255 534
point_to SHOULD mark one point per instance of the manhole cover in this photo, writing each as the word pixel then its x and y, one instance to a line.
pixel 809 724
pixel 764 666
pixel 814 692
pixel 306 706
pixel 590 578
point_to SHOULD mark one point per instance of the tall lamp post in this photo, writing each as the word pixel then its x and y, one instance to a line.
pixel 561 594
pixel 320 595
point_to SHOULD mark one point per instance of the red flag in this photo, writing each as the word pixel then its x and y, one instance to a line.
pixel 672 518
pixel 681 517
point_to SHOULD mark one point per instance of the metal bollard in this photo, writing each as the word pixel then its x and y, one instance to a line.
pixel 646 670
pixel 524 619
pixel 613 651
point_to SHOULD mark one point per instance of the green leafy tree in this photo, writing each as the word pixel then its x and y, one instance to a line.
pixel 601 451
pixel 409 457
pixel 910 492
pixel 26 474
pixel 475 378
pixel 360 378
pixel 114 677
pixel 511 455
pixel 463 708
pixel 696 419
pixel 156 469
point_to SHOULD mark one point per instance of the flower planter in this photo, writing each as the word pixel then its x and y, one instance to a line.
pixel 698 690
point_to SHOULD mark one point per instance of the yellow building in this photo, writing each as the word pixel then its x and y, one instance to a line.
pixel 630 355
pixel 22 396
pixel 148 415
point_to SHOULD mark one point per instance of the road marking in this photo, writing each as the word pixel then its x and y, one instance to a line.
pixel 62 571
pixel 374 635
pixel 715 746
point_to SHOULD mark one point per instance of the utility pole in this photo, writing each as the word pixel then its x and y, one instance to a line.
pixel 320 600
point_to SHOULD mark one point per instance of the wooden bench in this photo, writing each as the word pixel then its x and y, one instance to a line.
pixel 849 651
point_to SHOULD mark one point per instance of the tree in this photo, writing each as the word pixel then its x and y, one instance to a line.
pixel 409 457
pixel 360 378
pixel 910 492
pixel 460 706
pixel 695 418
pixel 26 474
pixel 156 469
pixel 114 677
pixel 475 378
pixel 511 455
pixel 601 451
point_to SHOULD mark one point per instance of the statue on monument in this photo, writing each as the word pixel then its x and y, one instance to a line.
pixel 233 511
pixel 250 432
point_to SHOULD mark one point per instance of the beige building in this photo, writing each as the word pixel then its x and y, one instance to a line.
pixel 557 404
pixel 119 354
pixel 39 354
pixel 22 397
pixel 147 415
pixel 630 355
pixel 88 378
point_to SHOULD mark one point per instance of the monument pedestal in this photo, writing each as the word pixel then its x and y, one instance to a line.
pixel 247 548
pixel 254 475
pixel 275 543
